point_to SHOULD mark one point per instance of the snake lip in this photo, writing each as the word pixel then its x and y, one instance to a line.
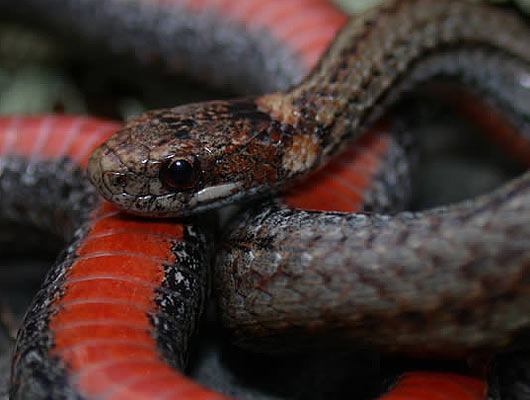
pixel 217 192
pixel 176 204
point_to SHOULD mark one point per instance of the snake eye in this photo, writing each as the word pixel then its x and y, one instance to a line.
pixel 178 174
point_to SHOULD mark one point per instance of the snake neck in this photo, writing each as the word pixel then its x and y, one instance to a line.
pixel 383 51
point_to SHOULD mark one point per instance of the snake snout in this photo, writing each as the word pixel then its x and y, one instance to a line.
pixel 94 168
pixel 116 180
pixel 123 172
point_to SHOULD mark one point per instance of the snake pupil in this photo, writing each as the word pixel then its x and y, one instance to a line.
pixel 178 174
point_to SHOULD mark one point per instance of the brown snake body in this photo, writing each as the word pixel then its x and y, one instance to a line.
pixel 445 281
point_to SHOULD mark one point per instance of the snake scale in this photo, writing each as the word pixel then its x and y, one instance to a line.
pixel 445 281
pixel 441 268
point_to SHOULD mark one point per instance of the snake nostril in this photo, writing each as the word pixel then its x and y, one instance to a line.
pixel 116 180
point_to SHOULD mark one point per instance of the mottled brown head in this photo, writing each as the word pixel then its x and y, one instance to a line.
pixel 188 159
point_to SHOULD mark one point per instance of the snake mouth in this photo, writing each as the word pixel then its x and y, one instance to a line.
pixel 175 204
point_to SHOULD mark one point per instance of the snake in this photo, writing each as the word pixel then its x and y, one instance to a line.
pixel 483 306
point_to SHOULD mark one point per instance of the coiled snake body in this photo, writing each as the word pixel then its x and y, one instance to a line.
pixel 438 265
pixel 445 281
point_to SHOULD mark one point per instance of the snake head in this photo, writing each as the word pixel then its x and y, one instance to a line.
pixel 185 160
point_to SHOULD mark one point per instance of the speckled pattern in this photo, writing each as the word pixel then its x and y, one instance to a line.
pixel 426 287
pixel 57 200
pixel 182 295
pixel 189 130
pixel 376 52
pixel 261 144
pixel 150 296
pixel 35 340
pixel 55 197
pixel 443 282
pixel 421 239
pixel 40 370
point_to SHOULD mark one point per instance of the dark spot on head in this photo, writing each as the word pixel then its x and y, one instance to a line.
pixel 246 108
pixel 182 134
pixel 188 122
